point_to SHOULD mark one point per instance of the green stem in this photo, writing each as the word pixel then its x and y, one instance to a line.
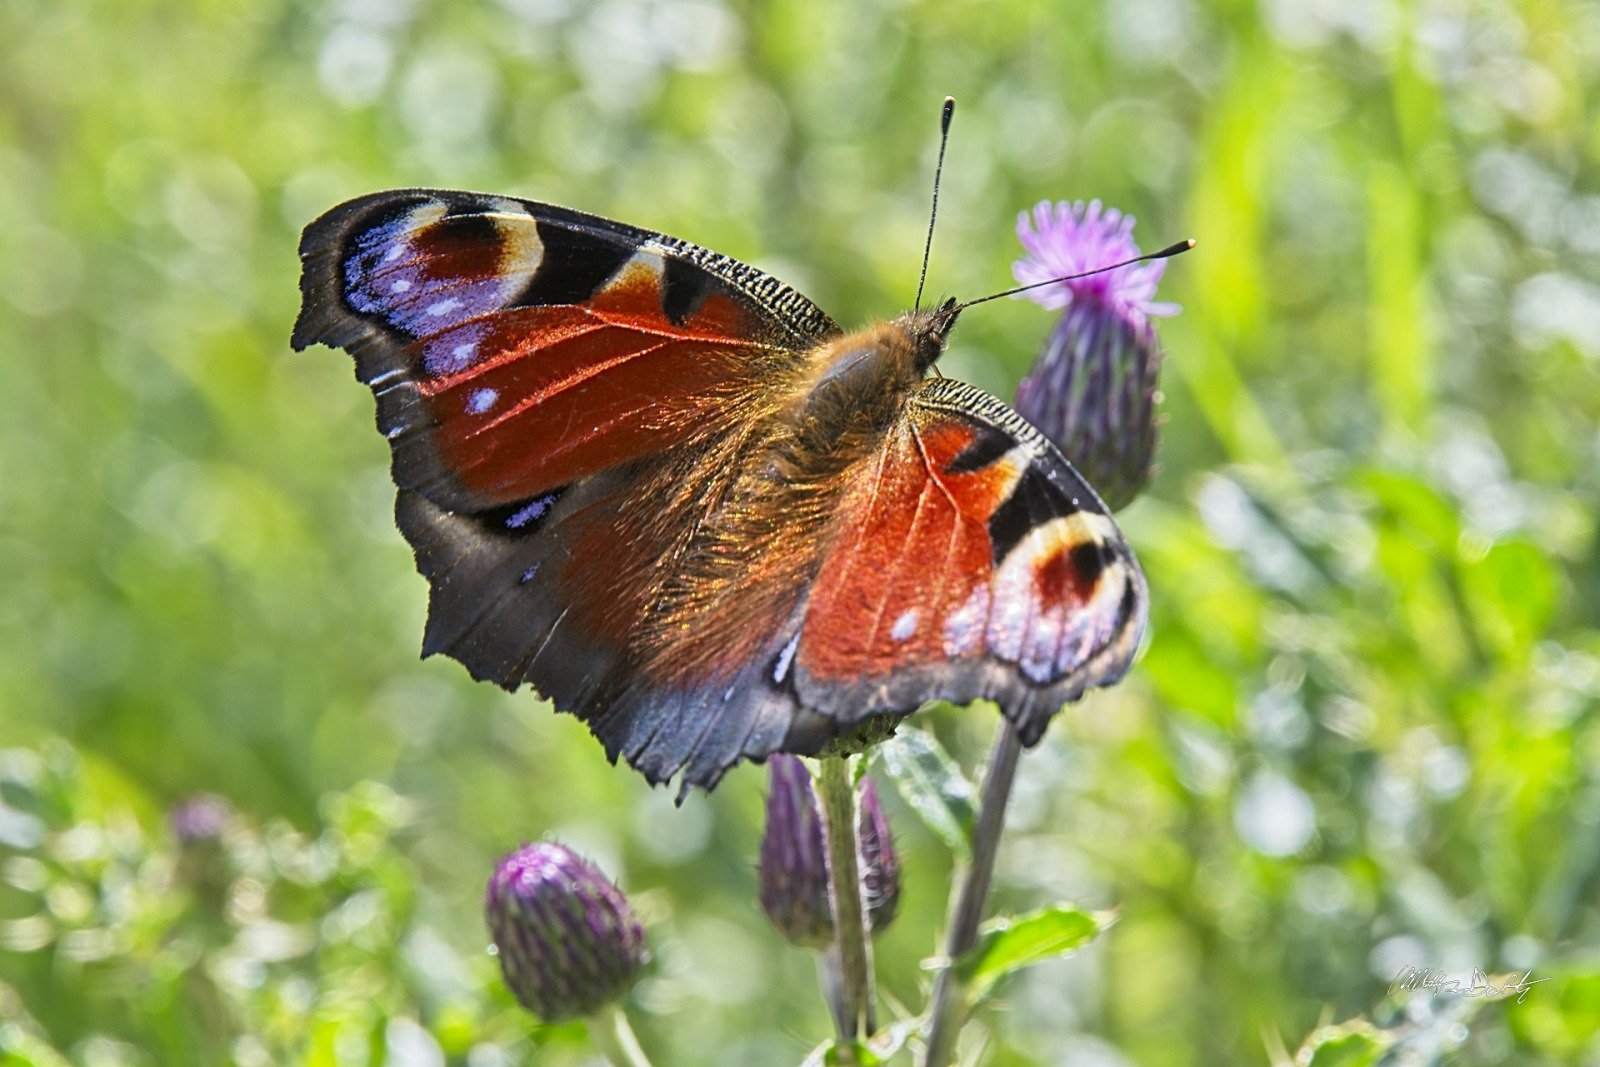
pixel 631 1052
pixel 837 791
pixel 949 996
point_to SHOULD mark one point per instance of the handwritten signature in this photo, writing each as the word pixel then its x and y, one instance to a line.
pixel 1437 982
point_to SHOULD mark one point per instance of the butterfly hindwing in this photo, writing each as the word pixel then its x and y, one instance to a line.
pixel 969 561
pixel 965 559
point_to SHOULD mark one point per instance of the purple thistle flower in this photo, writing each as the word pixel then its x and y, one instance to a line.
pixel 793 873
pixel 1092 389
pixel 1072 238
pixel 567 940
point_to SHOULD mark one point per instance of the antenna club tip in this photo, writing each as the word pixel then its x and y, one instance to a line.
pixel 948 112
pixel 1172 249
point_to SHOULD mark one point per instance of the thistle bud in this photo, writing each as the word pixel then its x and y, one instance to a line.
pixel 200 818
pixel 567 940
pixel 794 857
pixel 793 874
pixel 1092 389
pixel 880 866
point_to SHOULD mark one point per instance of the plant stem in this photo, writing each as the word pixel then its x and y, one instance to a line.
pixel 617 1042
pixel 830 976
pixel 949 1007
pixel 838 794
pixel 630 1042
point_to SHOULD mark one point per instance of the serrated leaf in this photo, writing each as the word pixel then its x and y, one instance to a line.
pixel 1006 946
pixel 933 785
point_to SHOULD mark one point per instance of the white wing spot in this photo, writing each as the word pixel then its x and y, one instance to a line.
pixel 481 400
pixel 904 626
pixel 443 307
pixel 785 658
pixel 400 286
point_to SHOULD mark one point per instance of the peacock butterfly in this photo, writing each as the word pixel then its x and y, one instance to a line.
pixel 671 494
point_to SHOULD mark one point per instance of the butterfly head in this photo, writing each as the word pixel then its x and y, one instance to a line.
pixel 930 331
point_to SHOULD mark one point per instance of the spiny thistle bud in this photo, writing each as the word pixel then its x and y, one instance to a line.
pixel 567 940
pixel 1092 389
pixel 794 857
pixel 793 874
pixel 880 865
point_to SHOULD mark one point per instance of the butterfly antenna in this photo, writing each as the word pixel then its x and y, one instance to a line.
pixel 1166 253
pixel 944 139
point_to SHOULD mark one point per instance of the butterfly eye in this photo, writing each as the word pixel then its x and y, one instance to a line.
pixel 933 330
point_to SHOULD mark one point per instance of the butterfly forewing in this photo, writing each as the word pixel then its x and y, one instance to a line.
pixel 516 346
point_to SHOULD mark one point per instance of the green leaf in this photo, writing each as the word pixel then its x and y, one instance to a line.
pixel 1417 509
pixel 843 1054
pixel 933 785
pixel 1512 594
pixel 1356 1043
pixel 1008 945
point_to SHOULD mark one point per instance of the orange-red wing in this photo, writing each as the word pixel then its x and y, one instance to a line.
pixel 969 560
pixel 515 347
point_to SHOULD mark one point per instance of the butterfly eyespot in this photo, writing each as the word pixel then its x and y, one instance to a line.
pixel 1069 573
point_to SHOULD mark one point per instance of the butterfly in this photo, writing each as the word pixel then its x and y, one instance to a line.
pixel 675 497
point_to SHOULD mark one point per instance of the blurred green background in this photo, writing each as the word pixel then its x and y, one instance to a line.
pixel 1364 733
